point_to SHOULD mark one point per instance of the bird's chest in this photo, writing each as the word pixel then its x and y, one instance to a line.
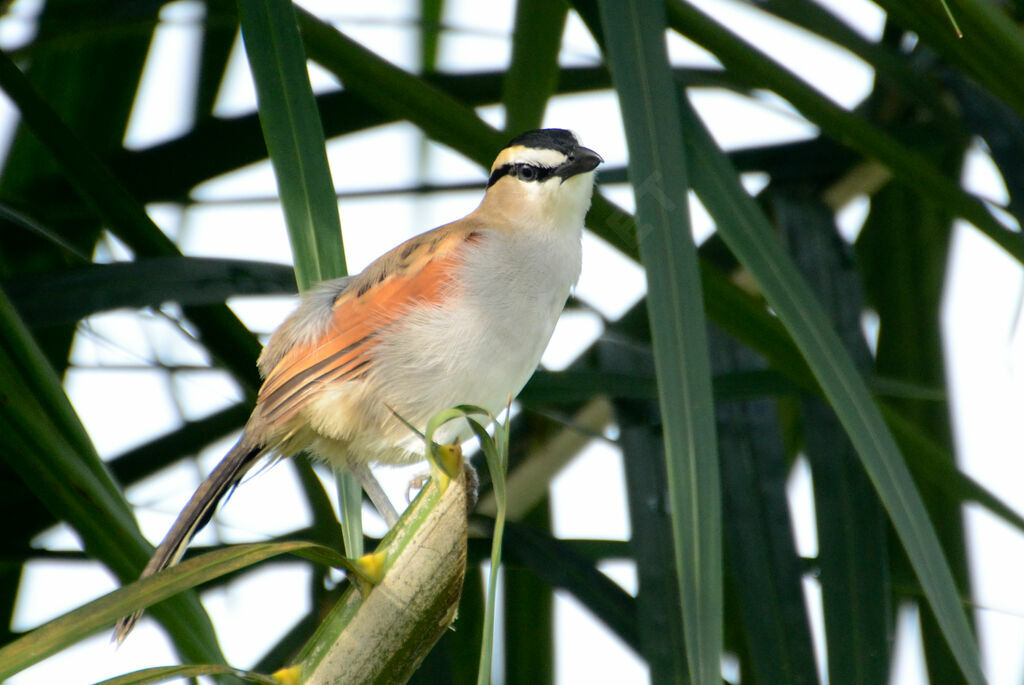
pixel 515 291
pixel 487 340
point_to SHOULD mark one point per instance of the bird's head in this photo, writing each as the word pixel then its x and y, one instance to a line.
pixel 543 175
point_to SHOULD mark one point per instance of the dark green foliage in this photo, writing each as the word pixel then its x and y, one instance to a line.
pixel 792 374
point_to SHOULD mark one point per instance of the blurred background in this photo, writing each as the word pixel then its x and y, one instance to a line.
pixel 841 118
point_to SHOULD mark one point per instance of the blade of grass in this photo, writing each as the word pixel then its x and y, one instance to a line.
pixel 532 74
pixel 905 277
pixel 295 141
pixel 219 30
pixel 162 674
pixel 904 274
pixel 853 558
pixel 350 503
pixel 638 60
pixel 41 401
pixel 496 451
pixel 431 13
pixel 294 137
pixel 643 461
pixel 529 615
pixel 759 548
pixel 853 538
pixel 101 613
pixel 69 295
pixel 751 239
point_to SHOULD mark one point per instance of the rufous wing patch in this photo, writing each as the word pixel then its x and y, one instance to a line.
pixel 409 275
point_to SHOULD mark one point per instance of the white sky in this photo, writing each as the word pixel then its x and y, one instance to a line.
pixel 126 407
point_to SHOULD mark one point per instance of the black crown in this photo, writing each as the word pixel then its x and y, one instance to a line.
pixel 547 139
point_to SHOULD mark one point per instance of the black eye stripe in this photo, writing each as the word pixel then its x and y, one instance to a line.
pixel 521 170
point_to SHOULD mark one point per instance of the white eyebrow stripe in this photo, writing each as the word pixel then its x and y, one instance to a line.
pixel 549 158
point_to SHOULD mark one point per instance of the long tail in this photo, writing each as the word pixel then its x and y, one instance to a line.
pixel 194 516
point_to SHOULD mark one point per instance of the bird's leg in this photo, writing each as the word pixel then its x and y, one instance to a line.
pixel 416 484
pixel 376 493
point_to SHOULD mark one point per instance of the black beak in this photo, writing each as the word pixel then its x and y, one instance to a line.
pixel 581 160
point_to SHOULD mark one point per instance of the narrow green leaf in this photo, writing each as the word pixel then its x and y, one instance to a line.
pixel 933 465
pixel 325 527
pixel 295 141
pixel 219 30
pixel 496 451
pixel 528 609
pixel 101 613
pixel 643 449
pixel 65 296
pixel 532 74
pixel 295 138
pixel 42 400
pixel 750 237
pixel 904 274
pixel 853 557
pixel 431 12
pixel 853 538
pixel 760 551
pixel 350 503
pixel 638 59
pixel 160 674
pixel 952 19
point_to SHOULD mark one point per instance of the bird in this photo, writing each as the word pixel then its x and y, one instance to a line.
pixel 457 315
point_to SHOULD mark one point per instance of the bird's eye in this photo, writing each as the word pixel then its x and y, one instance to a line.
pixel 527 172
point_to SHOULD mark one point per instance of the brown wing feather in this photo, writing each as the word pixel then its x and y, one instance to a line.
pixel 416 272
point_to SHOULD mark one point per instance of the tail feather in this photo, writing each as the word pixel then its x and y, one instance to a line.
pixel 194 516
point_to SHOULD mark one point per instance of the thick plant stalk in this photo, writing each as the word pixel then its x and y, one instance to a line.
pixel 381 636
